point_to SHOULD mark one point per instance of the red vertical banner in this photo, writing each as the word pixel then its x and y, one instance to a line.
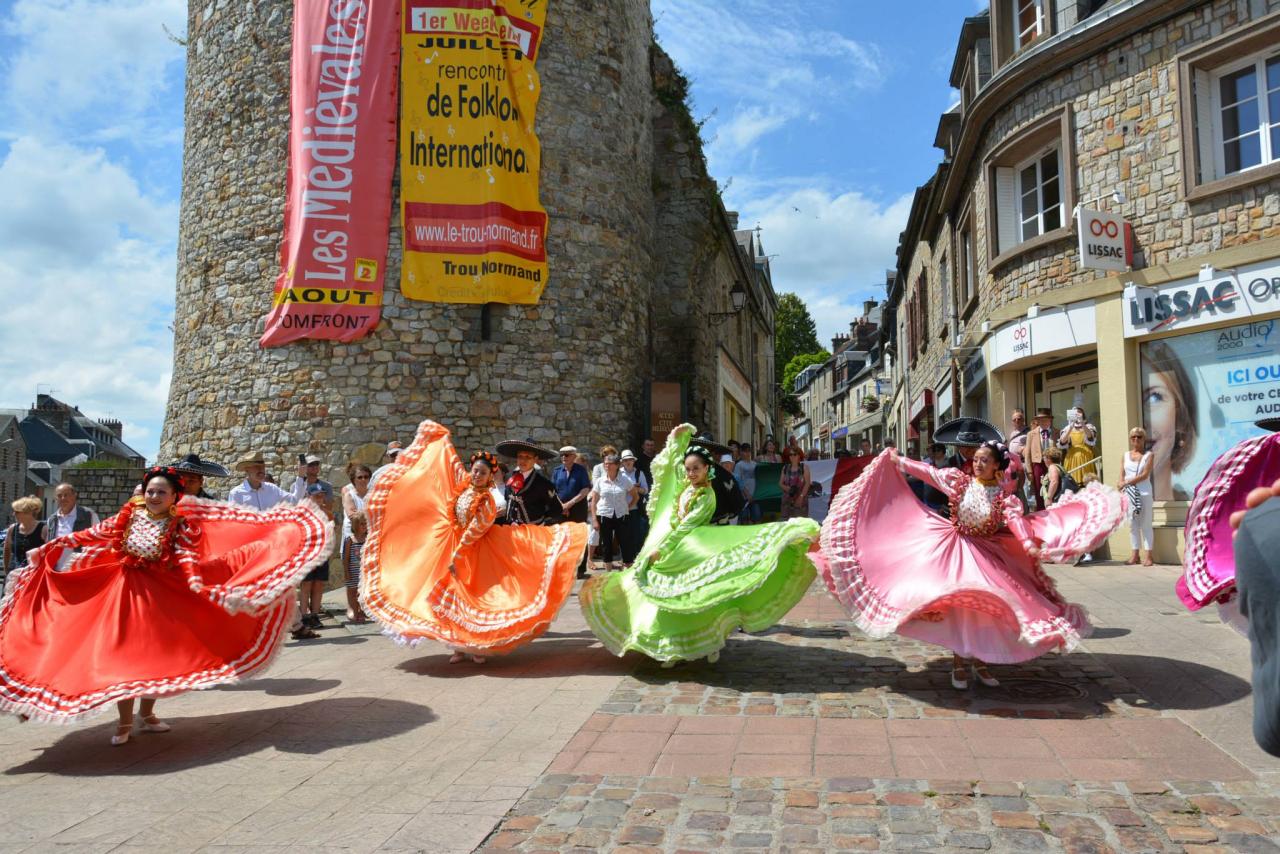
pixel 342 153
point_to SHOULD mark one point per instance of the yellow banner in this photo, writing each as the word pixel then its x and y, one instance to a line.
pixel 474 230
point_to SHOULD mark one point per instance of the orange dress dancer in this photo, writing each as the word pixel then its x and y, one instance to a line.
pixel 153 605
pixel 434 565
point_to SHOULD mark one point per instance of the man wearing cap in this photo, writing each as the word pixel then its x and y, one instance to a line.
pixel 389 456
pixel 1039 439
pixel 531 498
pixel 573 485
pixel 255 491
pixel 308 476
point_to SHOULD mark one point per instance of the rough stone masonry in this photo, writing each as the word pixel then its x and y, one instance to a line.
pixel 571 368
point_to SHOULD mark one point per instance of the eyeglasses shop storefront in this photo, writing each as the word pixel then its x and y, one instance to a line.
pixel 1209 367
pixel 1198 368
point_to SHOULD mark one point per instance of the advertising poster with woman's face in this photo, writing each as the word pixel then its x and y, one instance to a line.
pixel 1201 394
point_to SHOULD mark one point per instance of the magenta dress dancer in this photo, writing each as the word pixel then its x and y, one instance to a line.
pixel 1208 562
pixel 968 582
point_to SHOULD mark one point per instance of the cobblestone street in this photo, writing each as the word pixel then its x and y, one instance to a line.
pixel 802 738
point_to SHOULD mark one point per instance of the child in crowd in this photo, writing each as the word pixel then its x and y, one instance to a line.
pixel 311 591
pixel 351 548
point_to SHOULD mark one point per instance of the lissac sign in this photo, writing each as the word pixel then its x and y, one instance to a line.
pixel 1106 241
pixel 1215 295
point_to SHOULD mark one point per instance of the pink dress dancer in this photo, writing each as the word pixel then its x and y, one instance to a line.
pixel 972 583
pixel 1208 562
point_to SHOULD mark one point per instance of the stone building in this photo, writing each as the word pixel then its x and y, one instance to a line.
pixel 1153 118
pixel 640 252
pixel 840 399
pixel 13 465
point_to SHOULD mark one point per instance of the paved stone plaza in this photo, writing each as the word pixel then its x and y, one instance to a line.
pixel 804 738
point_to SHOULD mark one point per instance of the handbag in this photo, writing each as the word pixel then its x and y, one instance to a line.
pixel 1135 500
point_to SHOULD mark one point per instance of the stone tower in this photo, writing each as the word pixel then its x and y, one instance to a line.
pixel 569 369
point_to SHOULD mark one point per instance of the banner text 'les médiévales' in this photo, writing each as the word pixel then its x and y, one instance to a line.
pixel 342 139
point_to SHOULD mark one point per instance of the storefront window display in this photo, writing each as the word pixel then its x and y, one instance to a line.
pixel 1201 394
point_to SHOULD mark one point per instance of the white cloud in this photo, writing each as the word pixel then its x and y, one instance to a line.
pixel 768 59
pixel 747 126
pixel 832 250
pixel 94 259
pixel 93 100
pixel 80 59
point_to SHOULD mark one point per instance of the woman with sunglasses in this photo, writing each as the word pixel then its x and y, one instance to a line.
pixel 1136 483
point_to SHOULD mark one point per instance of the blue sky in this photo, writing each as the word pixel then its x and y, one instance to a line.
pixel 819 122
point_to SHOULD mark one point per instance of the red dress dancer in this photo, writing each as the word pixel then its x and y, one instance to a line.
pixel 163 598
pixel 973 582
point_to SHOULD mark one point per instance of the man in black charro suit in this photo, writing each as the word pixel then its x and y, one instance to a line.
pixel 531 498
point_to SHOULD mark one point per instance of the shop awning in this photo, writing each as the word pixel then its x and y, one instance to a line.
pixel 920 404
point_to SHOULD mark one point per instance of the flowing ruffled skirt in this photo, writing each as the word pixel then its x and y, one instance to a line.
pixel 74 642
pixel 1209 564
pixel 717 579
pixel 900 568
pixel 509 585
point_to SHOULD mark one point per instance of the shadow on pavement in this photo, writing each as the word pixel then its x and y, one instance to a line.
pixel 556 658
pixel 309 728
pixel 283 687
pixel 335 640
pixel 833 674
pixel 1179 685
pixel 1108 633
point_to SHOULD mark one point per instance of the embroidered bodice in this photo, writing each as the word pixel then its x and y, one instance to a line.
pixel 978 509
pixel 146 535
pixel 462 507
pixel 686 502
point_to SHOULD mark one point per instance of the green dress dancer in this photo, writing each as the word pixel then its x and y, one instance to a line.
pixel 696 583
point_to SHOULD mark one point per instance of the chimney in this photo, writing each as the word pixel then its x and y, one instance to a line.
pixel 114 427
pixel 868 306
pixel 732 216
pixel 838 343
pixel 52 412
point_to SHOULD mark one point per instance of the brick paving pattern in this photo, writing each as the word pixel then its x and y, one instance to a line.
pixel 815 665
pixel 581 813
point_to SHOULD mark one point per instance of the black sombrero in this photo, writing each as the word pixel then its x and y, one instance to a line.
pixel 967 432
pixel 192 464
pixel 705 440
pixel 511 447
pixel 1272 424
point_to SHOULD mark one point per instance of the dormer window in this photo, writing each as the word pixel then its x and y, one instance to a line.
pixel 1028 22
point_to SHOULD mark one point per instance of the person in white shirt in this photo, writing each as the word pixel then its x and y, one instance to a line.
pixel 612 496
pixel 255 491
pixel 69 518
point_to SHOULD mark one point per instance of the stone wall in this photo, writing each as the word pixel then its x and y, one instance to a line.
pixel 1122 105
pixel 570 369
pixel 103 490
pixel 700 262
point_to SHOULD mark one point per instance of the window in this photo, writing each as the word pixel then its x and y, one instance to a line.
pixel 1028 22
pixel 965 275
pixel 1245 116
pixel 1039 195
pixel 1030 188
pixel 1229 88
pixel 922 310
pixel 948 296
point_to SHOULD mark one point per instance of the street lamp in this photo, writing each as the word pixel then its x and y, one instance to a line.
pixel 737 297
